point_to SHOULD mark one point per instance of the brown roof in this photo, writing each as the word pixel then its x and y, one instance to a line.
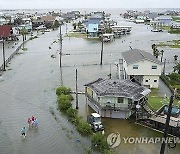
pixel 48 18
pixel 5 30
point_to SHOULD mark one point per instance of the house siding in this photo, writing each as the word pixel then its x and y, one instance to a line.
pixel 144 68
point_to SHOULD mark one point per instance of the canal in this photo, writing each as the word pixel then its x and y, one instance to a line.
pixel 28 88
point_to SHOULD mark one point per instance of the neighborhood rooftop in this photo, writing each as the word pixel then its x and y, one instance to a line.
pixel 136 55
pixel 120 88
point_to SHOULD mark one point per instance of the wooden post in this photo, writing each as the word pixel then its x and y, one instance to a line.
pixel 76 92
pixel 4 60
pixel 167 125
pixel 102 50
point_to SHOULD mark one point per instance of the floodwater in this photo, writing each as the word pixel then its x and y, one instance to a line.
pixel 28 88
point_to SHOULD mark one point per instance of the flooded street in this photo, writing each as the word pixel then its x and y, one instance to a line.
pixel 28 88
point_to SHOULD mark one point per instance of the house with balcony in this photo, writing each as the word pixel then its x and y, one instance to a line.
pixel 115 98
pixel 141 67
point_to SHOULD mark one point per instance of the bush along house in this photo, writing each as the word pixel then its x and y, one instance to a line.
pixel 115 98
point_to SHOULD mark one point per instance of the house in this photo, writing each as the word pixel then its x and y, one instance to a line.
pixel 26 24
pixel 48 20
pixel 115 98
pixel 164 20
pixel 141 67
pixel 94 26
pixel 92 30
pixel 6 32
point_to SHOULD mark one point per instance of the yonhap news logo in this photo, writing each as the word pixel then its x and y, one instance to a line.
pixel 114 139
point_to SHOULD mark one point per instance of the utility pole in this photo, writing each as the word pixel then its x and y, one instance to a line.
pixel 23 40
pixel 162 52
pixel 66 28
pixel 102 49
pixel 164 66
pixel 167 125
pixel 60 40
pixel 76 92
pixel 4 60
pixel 110 67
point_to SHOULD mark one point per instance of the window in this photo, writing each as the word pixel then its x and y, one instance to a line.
pixel 120 100
pixel 155 80
pixel 95 28
pixel 135 66
pixel 146 80
pixel 154 67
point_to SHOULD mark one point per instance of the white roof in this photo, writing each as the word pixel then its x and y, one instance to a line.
pixel 96 115
pixel 108 34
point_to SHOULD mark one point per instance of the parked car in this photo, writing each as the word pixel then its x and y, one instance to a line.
pixel 156 30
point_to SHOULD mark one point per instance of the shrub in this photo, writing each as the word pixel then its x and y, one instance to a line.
pixel 63 90
pixel 64 102
pixel 99 142
pixel 70 97
pixel 72 113
pixel 84 128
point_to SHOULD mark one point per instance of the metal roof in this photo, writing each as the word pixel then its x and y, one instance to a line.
pixel 118 88
pixel 136 55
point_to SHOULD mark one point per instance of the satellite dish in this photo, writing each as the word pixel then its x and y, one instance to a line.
pixel 138 106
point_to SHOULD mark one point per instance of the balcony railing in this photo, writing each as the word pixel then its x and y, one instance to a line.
pixel 109 106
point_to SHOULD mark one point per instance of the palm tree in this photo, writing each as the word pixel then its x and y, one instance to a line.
pixel 175 57
pixel 177 68
pixel 23 32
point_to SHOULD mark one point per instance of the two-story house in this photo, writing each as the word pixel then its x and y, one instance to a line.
pixel 115 98
pixel 141 67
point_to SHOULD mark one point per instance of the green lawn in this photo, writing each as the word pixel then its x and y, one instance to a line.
pixel 156 102
pixel 171 44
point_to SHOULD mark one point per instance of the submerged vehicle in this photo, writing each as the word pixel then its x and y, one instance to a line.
pixel 95 121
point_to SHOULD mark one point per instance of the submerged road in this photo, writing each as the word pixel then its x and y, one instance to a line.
pixel 29 89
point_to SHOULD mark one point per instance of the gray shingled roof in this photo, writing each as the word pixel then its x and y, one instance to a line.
pixel 118 88
pixel 136 55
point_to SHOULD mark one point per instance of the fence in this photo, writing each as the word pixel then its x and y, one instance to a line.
pixel 10 57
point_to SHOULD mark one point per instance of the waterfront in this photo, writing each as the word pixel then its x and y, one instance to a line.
pixel 29 89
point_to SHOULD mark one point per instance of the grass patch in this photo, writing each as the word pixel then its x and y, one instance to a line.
pixel 171 44
pixel 176 18
pixel 157 102
pixel 76 34
pixel 167 28
pixel 24 49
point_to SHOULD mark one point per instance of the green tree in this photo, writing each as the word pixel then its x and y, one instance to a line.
pixel 56 24
pixel 99 142
pixel 63 90
pixel 156 52
pixel 177 68
pixel 64 102
pixel 84 128
pixel 74 26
